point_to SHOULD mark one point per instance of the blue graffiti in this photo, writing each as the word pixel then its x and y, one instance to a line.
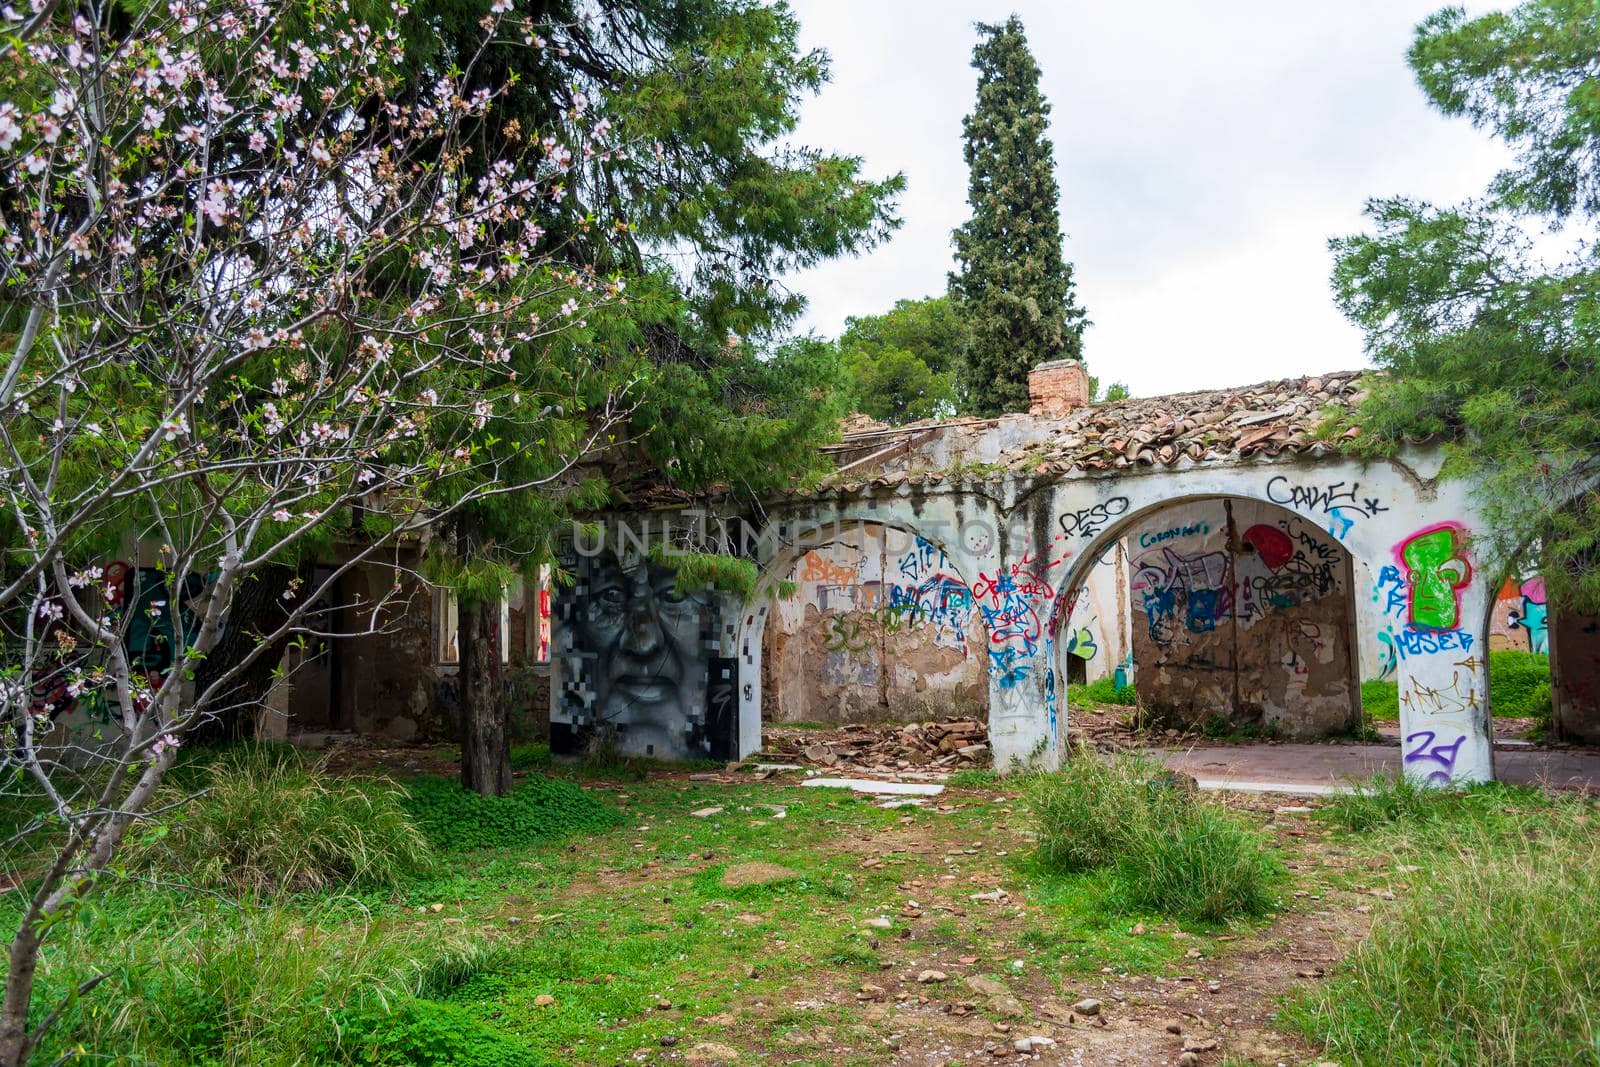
pixel 1413 642
pixel 1391 591
pixel 1008 667
pixel 1202 615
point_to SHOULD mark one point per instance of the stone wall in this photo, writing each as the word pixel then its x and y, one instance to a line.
pixel 878 627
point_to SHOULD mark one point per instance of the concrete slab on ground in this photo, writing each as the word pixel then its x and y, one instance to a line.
pixel 866 785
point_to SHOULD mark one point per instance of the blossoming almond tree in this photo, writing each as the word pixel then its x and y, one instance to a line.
pixel 250 293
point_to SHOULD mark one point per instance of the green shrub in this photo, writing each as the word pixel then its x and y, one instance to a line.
pixel 537 809
pixel 1204 864
pixel 1083 812
pixel 1492 956
pixel 1519 684
pixel 273 820
pixel 1103 690
pixel 1170 852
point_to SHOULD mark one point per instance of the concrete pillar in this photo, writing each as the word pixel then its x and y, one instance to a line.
pixel 1575 678
pixel 1442 660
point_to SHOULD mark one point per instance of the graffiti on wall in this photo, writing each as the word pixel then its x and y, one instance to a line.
pixel 1086 522
pixel 1436 572
pixel 639 656
pixel 1522 617
pixel 1341 503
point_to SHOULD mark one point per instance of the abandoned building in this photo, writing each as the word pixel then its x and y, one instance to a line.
pixel 1215 550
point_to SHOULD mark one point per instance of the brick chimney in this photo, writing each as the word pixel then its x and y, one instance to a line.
pixel 1057 387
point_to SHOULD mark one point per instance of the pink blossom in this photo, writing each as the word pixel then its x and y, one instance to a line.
pixel 10 131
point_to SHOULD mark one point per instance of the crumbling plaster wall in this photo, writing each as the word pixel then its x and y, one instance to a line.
pixel 877 628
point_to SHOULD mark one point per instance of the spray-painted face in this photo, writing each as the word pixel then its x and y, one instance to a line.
pixel 649 658
pixel 1436 570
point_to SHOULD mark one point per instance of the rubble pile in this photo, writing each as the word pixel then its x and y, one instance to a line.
pixel 885 747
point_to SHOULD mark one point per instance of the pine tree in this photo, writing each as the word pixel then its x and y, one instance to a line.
pixel 1013 284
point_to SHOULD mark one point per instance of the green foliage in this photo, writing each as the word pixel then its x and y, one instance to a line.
pixel 1488 341
pixel 1380 699
pixel 538 809
pixel 1519 684
pixel 271 820
pixel 1489 953
pixel 701 570
pixel 1170 852
pixel 1012 285
pixel 1103 690
pixel 425 1033
pixel 902 364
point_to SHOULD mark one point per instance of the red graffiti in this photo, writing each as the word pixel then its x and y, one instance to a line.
pixel 1271 543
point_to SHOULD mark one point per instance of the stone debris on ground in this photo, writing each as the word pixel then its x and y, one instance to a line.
pixel 885 748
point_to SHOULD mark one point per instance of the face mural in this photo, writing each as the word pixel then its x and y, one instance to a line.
pixel 638 656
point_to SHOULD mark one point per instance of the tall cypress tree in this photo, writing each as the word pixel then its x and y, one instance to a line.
pixel 1013 286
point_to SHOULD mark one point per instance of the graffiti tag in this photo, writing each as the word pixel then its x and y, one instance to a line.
pixel 1089 521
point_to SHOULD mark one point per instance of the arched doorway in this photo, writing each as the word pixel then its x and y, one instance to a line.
pixel 1232 615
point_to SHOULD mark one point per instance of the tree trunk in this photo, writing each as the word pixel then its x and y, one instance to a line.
pixel 485 736
pixel 257 607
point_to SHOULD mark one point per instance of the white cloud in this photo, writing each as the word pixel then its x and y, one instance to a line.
pixel 1205 157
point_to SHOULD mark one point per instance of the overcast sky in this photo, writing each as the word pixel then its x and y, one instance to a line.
pixel 1206 152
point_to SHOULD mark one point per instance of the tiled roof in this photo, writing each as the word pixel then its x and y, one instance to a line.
pixel 1273 417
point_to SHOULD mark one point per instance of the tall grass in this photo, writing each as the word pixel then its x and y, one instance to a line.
pixel 1171 852
pixel 191 980
pixel 1491 956
pixel 271 819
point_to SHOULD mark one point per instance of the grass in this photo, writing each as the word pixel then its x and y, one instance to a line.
pixel 1519 688
pixel 271 820
pixel 1172 854
pixel 1102 691
pixel 1490 952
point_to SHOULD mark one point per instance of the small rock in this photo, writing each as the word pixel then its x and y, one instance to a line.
pixel 663 1005
pixel 870 992
pixel 1138 928
pixel 1174 1027
pixel 882 922
pixel 993 896
pixel 1198 1044
pixel 931 976
pixel 512 920
pixel 1087 1006
pixel 667 1040
pixel 707 1052
pixel 1033 1044
pixel 543 1000
pixel 1213 987
pixel 988 987
pixel 706 813
pixel 1188 1059
pixel 436 907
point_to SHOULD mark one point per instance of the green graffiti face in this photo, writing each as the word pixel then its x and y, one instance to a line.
pixel 1437 570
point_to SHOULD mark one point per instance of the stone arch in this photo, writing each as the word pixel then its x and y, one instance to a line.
pixel 1271 636
pixel 816 531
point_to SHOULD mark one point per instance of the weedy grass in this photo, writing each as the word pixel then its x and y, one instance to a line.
pixel 1519 688
pixel 1171 853
pixel 1490 952
pixel 195 980
pixel 1380 699
pixel 269 819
